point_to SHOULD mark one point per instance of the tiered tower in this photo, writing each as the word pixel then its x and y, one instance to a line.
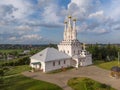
pixel 70 44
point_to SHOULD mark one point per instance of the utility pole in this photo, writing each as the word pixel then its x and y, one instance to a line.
pixel 118 59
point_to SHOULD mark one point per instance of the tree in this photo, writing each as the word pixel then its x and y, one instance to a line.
pixel 1 76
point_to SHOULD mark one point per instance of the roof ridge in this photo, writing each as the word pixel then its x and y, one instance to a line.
pixel 46 53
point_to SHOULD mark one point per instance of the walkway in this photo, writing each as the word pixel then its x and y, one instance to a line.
pixel 61 78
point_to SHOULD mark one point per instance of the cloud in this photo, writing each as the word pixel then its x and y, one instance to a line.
pixel 46 25
pixel 82 8
pixel 6 10
pixel 116 27
pixel 12 38
pixel 22 20
pixel 92 17
pixel 52 15
pixel 31 37
pixel 114 9
pixel 43 3
pixel 95 28
pixel 100 31
pixel 24 27
pixel 97 15
pixel 17 8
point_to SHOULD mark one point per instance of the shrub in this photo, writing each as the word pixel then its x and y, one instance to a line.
pixel 1 72
pixel 1 80
pixel 17 62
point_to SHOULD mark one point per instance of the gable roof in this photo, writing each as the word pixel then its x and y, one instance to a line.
pixel 50 54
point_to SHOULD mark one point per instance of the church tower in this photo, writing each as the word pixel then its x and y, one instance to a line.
pixel 70 45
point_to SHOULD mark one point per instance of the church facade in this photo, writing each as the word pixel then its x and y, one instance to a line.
pixel 70 52
pixel 71 45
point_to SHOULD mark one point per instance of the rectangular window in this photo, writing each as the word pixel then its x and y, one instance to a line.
pixel 54 63
pixel 64 61
pixel 59 63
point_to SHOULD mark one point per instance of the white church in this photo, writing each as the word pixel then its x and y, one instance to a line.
pixel 70 53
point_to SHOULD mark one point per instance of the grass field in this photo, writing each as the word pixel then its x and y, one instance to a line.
pixel 106 65
pixel 19 82
pixel 17 69
pixel 83 83
pixel 13 80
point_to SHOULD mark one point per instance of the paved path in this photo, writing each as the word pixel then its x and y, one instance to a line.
pixel 61 78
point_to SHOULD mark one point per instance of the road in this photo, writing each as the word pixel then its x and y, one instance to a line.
pixel 62 78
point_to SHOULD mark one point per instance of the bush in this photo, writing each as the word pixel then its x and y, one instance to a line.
pixel 1 72
pixel 104 86
pixel 1 80
pixel 17 62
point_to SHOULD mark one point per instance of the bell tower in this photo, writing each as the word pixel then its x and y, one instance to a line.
pixel 70 45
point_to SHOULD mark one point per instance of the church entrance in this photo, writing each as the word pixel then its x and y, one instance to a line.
pixel 36 66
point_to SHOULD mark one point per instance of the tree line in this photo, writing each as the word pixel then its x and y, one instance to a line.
pixel 106 52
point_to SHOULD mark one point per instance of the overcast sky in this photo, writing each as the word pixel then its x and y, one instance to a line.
pixel 41 21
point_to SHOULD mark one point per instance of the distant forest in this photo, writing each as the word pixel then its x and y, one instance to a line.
pixel 106 52
pixel 23 46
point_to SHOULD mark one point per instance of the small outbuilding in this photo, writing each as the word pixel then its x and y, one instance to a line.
pixel 50 59
pixel 115 71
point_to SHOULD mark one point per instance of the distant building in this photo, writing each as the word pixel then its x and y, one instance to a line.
pixel 26 51
pixel 10 57
pixel 70 52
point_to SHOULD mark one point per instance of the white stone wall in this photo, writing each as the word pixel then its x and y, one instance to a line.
pixel 76 50
pixel 73 63
pixel 49 65
pixel 70 49
pixel 65 48
pixel 87 60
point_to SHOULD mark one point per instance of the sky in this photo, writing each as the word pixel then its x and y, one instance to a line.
pixel 42 21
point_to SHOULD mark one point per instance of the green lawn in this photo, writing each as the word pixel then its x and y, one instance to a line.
pixel 17 69
pixel 19 82
pixel 82 83
pixel 106 65
pixel 13 80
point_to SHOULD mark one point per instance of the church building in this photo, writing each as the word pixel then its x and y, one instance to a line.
pixel 70 52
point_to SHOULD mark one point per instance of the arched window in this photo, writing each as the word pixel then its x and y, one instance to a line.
pixel 68 51
pixel 74 51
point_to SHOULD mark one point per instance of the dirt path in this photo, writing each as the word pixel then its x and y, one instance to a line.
pixel 61 78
